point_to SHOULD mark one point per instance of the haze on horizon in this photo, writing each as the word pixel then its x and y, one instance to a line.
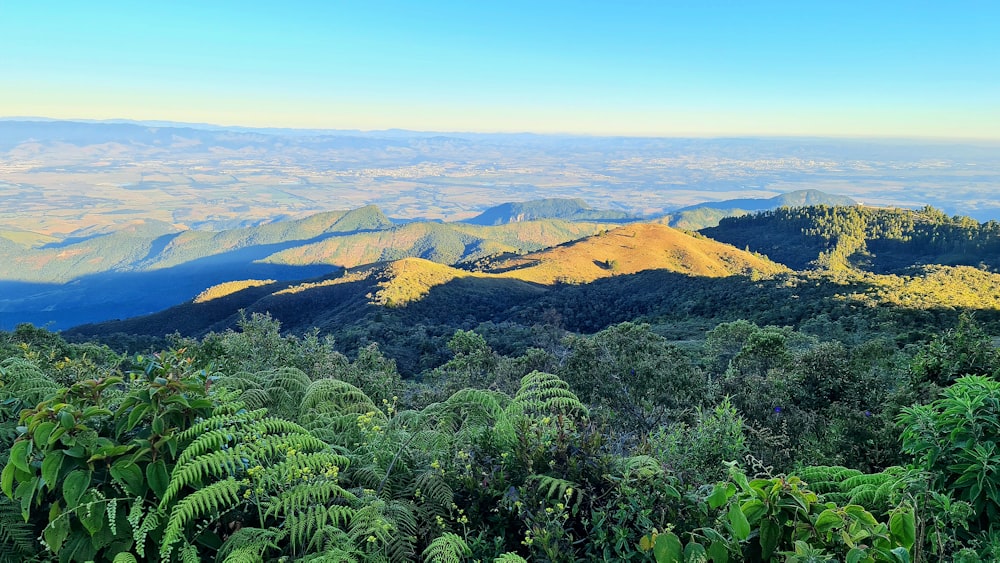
pixel 888 69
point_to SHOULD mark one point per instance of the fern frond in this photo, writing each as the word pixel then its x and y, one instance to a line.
pixel 641 467
pixel 447 548
pixel 510 558
pixel 21 379
pixel 865 480
pixel 256 398
pixel 203 502
pixel 222 463
pixel 434 488
pixel 336 396
pixel 17 537
pixel 124 557
pixel 221 420
pixel 305 495
pixel 554 488
pixel 544 394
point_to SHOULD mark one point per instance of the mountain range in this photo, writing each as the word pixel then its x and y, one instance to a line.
pixel 142 266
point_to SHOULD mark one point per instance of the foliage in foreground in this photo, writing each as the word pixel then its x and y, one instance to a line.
pixel 253 446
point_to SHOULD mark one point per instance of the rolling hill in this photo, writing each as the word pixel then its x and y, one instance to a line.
pixel 335 300
pixel 551 208
pixel 630 249
pixel 709 214
pixel 878 240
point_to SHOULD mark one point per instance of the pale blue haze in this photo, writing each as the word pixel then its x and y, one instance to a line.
pixel 923 69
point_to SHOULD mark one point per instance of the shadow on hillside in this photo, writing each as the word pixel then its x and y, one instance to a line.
pixel 111 295
pixel 119 295
pixel 415 335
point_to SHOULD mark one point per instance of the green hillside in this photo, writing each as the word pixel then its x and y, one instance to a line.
pixel 193 245
pixel 445 243
pixel 880 240
pixel 551 208
pixel 709 214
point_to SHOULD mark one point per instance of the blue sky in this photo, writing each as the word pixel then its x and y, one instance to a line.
pixel 924 69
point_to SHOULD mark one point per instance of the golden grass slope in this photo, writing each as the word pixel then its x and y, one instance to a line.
pixel 228 288
pixel 441 242
pixel 635 248
pixel 625 250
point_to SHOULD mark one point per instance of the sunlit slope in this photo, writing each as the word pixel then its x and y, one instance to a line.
pixel 60 262
pixel 635 248
pixel 446 243
pixel 193 245
pixel 625 250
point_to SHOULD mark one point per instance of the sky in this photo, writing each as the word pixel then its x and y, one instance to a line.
pixel 656 68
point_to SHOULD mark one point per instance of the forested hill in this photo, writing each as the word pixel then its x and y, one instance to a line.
pixel 551 208
pixel 709 214
pixel 879 240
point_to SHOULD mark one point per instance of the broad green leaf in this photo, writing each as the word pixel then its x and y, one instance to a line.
pixel 901 554
pixel 770 532
pixel 671 492
pixel 75 484
pixel 903 528
pixel 66 419
pixel 718 552
pixel 57 530
pixel 51 464
pixel 42 433
pixel 668 548
pixel 130 475
pixel 855 555
pixel 753 509
pixel 25 491
pixel 719 496
pixel 56 434
pixel 860 514
pixel 93 517
pixel 694 552
pixel 828 520
pixel 135 416
pixel 741 479
pixel 645 543
pixel 96 411
pixel 19 454
pixel 157 425
pixel 157 477
pixel 741 528
pixel 7 480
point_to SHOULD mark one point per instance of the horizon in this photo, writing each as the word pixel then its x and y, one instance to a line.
pixel 278 130
pixel 769 69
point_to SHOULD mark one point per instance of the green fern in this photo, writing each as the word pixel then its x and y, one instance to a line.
pixel 641 467
pixel 208 501
pixel 544 394
pixel 510 558
pixel 447 548
pixel 22 380
pixel 554 488
pixel 17 537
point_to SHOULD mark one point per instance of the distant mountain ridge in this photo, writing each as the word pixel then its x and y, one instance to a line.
pixel 550 208
pixel 708 214
pixel 798 198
